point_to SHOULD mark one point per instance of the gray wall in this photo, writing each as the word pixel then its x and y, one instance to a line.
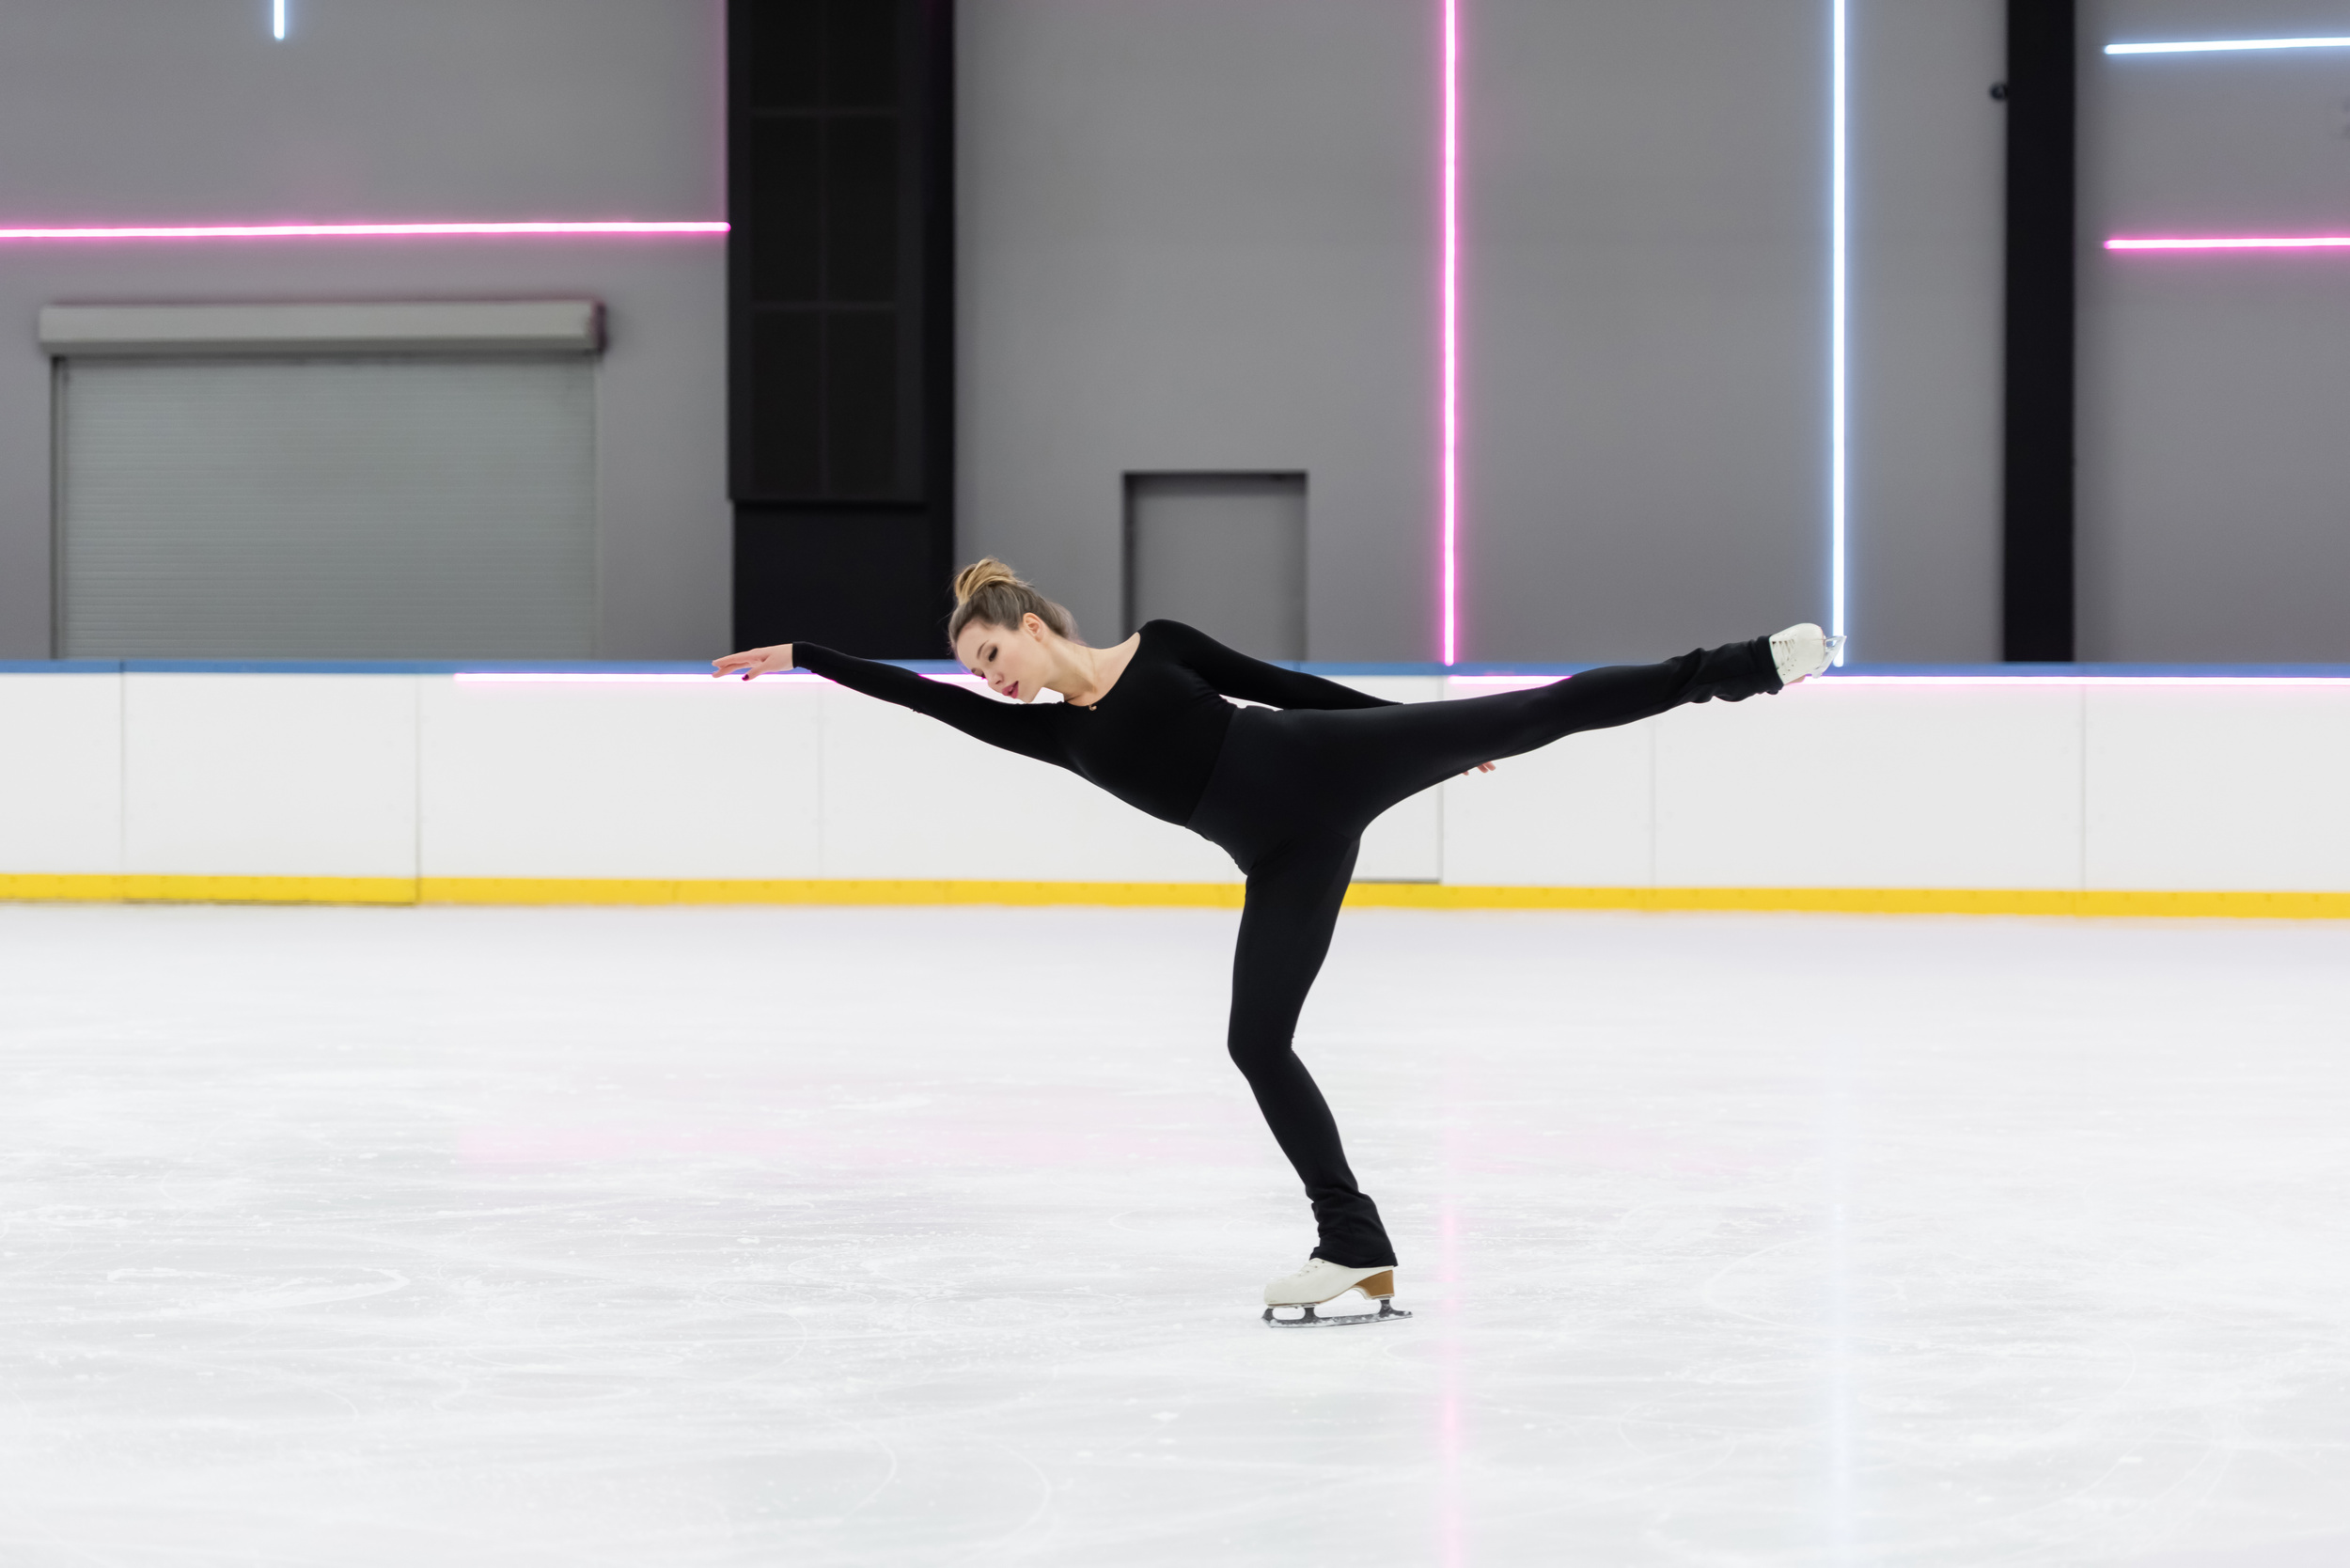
pixel 1928 167
pixel 1194 236
pixel 186 112
pixel 1203 236
pixel 2214 450
pixel 1647 281
pixel 1198 236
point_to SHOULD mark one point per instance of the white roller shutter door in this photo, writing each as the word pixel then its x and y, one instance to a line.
pixel 315 508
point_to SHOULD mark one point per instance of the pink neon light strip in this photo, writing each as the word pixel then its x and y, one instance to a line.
pixel 615 678
pixel 1451 472
pixel 2241 242
pixel 625 678
pixel 362 231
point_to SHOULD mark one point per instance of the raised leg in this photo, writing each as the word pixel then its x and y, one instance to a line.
pixel 1363 761
pixel 1285 927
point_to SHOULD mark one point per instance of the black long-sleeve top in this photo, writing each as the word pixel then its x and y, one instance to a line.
pixel 1151 740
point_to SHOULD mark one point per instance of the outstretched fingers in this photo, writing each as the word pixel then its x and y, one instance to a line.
pixel 752 663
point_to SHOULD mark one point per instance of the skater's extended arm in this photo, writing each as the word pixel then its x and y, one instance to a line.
pixel 1236 674
pixel 1008 725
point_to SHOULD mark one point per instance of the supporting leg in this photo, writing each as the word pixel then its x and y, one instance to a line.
pixel 1285 927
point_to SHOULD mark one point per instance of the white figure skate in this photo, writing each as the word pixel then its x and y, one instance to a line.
pixel 1321 1283
pixel 1803 652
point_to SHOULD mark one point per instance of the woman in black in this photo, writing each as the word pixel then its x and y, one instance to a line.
pixel 1286 789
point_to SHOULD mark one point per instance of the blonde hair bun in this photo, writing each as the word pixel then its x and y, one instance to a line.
pixel 981 574
pixel 993 594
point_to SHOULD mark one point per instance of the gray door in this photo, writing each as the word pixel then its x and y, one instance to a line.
pixel 1225 552
pixel 326 507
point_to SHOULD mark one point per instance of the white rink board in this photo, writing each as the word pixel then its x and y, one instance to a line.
pixel 2164 785
pixel 2229 787
pixel 269 775
pixel 712 779
pixel 1579 814
pixel 1872 787
pixel 905 796
pixel 61 787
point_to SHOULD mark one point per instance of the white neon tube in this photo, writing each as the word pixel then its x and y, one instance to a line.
pixel 277 20
pixel 1836 466
pixel 533 227
pixel 2236 241
pixel 2220 46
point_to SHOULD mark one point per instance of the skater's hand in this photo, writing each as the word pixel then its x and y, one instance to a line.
pixel 753 662
pixel 1481 767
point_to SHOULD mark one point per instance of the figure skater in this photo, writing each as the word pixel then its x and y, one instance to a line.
pixel 1285 790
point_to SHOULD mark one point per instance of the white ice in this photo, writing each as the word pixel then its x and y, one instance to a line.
pixel 813 1237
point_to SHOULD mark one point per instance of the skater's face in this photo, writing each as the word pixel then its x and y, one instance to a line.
pixel 1013 661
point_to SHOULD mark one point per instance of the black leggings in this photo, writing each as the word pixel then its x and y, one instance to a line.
pixel 1291 792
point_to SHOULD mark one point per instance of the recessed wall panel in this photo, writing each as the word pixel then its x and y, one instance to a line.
pixel 1222 552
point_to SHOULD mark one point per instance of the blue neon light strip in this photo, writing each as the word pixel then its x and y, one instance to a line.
pixel 2221 46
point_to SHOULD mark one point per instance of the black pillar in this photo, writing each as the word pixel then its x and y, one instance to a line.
pixel 840 330
pixel 2038 435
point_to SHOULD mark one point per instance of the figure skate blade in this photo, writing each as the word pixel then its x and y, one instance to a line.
pixel 1310 1317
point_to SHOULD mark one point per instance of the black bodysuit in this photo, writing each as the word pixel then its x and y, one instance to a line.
pixel 1287 793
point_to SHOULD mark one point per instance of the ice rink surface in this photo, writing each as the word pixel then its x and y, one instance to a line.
pixel 910 1237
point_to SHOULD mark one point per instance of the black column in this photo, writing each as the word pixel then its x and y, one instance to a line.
pixel 840 330
pixel 2038 438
